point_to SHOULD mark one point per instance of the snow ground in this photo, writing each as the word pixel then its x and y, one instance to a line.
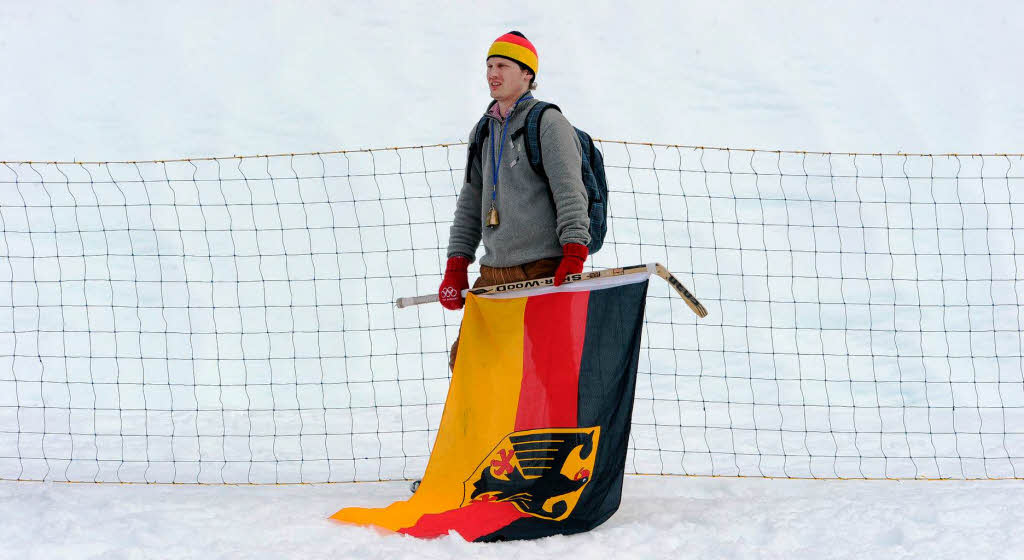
pixel 660 517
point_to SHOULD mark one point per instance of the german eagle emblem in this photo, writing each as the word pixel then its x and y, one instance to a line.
pixel 542 472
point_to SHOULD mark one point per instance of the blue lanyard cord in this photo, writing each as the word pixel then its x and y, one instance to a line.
pixel 496 163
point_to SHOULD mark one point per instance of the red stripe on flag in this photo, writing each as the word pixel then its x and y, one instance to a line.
pixel 472 521
pixel 554 326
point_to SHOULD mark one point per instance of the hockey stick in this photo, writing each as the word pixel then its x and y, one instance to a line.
pixel 656 269
pixel 680 289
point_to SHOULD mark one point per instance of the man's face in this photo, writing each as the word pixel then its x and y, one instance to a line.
pixel 505 78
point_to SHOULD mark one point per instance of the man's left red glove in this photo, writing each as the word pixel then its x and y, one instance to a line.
pixel 573 255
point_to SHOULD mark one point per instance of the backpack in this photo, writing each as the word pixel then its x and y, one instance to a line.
pixel 592 169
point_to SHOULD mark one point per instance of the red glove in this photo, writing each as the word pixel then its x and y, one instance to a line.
pixel 455 280
pixel 573 255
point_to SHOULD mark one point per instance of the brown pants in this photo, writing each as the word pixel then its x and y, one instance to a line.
pixel 490 276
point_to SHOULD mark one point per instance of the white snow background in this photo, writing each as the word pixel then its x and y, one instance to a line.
pixel 122 81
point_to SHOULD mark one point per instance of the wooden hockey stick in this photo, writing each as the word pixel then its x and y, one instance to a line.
pixel 656 269
pixel 680 289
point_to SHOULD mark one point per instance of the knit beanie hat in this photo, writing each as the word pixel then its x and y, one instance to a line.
pixel 517 48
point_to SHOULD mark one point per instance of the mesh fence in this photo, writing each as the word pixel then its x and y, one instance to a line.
pixel 231 320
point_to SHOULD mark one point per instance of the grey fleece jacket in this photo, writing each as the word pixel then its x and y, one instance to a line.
pixel 535 219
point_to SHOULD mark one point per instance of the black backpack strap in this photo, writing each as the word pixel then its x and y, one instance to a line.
pixel 532 128
pixel 476 144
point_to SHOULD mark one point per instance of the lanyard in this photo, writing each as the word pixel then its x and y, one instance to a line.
pixel 496 163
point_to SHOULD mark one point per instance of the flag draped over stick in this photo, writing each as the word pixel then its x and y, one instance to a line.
pixel 533 438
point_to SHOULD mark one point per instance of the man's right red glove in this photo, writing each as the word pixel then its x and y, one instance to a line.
pixel 455 280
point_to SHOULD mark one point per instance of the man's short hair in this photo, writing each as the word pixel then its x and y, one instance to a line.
pixel 526 68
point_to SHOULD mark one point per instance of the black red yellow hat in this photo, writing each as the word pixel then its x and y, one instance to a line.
pixel 515 47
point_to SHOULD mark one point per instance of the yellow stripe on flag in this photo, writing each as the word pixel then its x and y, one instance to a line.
pixel 479 412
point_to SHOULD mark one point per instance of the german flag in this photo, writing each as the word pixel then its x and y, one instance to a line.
pixel 533 437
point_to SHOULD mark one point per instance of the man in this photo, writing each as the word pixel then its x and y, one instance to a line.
pixel 531 227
